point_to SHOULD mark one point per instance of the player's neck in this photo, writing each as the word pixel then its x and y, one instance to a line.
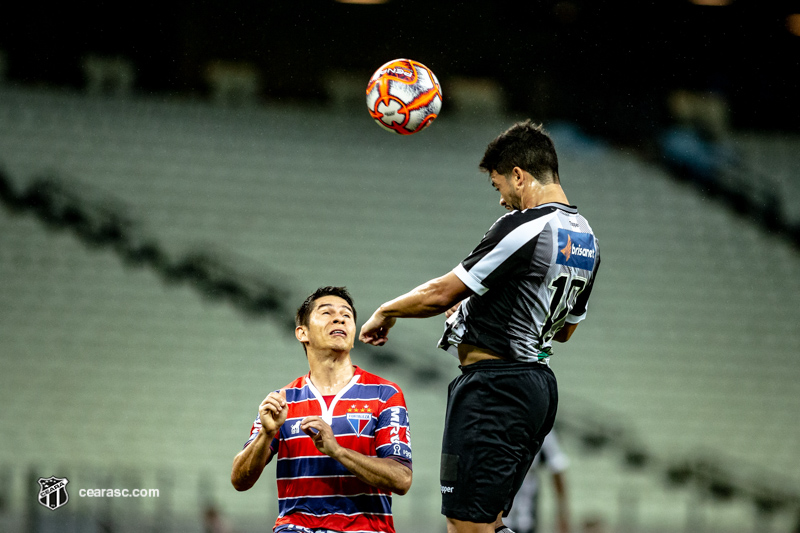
pixel 545 194
pixel 330 372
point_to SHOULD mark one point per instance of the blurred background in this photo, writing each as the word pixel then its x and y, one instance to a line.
pixel 175 180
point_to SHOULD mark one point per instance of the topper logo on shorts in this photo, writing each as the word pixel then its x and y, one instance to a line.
pixel 576 249
pixel 447 490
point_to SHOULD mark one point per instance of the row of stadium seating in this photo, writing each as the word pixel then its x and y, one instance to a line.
pixel 690 342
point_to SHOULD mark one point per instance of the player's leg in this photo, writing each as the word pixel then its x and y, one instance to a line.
pixel 503 529
pixel 500 527
pixel 461 526
pixel 486 447
pixel 469 466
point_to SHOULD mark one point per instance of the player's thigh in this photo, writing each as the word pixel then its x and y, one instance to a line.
pixel 490 424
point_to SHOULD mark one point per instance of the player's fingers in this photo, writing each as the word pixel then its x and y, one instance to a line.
pixel 375 337
pixel 310 429
pixel 452 310
pixel 269 409
pixel 279 397
pixel 315 422
pixel 274 396
pixel 276 400
pixel 369 339
pixel 273 406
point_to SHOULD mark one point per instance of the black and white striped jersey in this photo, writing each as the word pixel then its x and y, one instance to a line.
pixel 532 272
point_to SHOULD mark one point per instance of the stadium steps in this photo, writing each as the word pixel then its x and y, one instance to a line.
pixel 774 158
pixel 691 339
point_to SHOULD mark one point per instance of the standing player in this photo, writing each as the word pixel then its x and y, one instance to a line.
pixel 525 285
pixel 340 434
pixel 523 517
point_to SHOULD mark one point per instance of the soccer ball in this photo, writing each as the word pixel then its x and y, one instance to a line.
pixel 404 96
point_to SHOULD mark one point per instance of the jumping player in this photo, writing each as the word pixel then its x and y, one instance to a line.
pixel 525 285
pixel 340 434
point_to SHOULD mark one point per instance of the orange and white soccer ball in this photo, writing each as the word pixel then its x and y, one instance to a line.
pixel 404 96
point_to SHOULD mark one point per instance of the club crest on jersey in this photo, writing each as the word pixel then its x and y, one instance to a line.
pixel 359 417
pixel 576 249
pixel 53 492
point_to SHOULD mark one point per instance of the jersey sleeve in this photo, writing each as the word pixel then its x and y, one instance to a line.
pixel 504 252
pixel 254 429
pixel 578 311
pixel 393 433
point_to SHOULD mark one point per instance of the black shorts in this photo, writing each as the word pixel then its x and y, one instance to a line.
pixel 498 413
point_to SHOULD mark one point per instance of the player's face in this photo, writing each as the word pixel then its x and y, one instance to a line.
pixel 331 325
pixel 503 185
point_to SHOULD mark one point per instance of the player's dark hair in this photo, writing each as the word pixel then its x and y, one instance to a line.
pixel 524 145
pixel 304 312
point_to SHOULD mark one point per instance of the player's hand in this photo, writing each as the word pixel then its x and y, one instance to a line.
pixel 272 411
pixel 449 312
pixel 321 433
pixel 376 330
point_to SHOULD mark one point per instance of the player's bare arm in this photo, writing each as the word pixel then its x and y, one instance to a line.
pixel 379 472
pixel 250 462
pixel 429 299
pixel 565 333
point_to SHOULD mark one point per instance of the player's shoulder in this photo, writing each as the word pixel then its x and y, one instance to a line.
pixel 374 380
pixel 568 217
pixel 513 220
pixel 516 218
pixel 297 390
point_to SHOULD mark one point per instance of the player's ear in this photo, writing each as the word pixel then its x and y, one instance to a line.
pixel 301 333
pixel 517 175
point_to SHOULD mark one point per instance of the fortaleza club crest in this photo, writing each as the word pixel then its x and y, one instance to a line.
pixel 359 417
pixel 53 492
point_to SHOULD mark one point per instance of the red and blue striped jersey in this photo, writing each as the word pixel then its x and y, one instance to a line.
pixel 316 491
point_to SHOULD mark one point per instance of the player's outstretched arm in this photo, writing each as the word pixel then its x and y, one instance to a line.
pixel 250 462
pixel 429 299
pixel 379 472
